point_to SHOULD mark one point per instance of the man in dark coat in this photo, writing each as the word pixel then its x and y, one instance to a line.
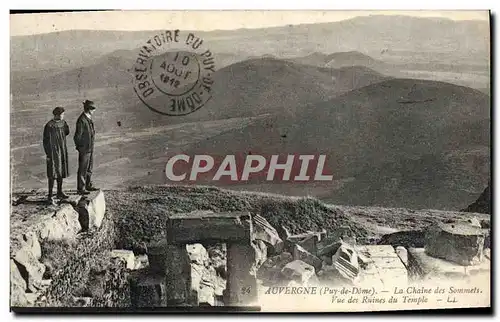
pixel 54 144
pixel 84 142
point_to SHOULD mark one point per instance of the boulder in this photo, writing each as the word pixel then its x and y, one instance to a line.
pixel 91 210
pixel 62 225
pixel 455 242
pixel 263 231
pixel 126 255
pixel 299 272
pixel 299 253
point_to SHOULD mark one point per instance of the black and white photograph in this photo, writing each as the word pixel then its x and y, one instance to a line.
pixel 267 161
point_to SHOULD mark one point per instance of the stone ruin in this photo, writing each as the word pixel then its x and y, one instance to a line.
pixel 227 259
pixel 258 256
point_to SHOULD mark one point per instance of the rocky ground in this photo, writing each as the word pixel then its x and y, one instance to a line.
pixel 80 270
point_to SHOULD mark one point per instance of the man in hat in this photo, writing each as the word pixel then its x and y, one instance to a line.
pixel 84 142
pixel 54 144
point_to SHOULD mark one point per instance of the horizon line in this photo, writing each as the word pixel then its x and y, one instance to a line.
pixel 247 28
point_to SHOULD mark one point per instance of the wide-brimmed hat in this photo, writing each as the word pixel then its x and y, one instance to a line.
pixel 89 104
pixel 58 110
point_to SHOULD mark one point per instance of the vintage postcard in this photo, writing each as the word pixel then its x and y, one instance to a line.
pixel 272 161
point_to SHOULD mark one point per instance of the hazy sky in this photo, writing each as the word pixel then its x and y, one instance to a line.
pixel 27 24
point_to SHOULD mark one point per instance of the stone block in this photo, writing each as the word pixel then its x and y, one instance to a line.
pixel 299 253
pixel 178 275
pixel 210 228
pixel 298 271
pixel 148 290
pixel 262 230
pixel 456 242
pixel 126 255
pixel 345 261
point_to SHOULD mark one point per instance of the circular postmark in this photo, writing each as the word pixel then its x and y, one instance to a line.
pixel 173 73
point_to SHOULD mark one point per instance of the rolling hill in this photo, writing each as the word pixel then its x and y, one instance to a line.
pixel 395 37
pixel 247 88
pixel 377 133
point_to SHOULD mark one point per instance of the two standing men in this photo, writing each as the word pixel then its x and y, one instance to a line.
pixel 54 144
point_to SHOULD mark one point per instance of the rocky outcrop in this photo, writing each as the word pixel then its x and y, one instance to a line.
pixel 482 204
pixel 49 224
